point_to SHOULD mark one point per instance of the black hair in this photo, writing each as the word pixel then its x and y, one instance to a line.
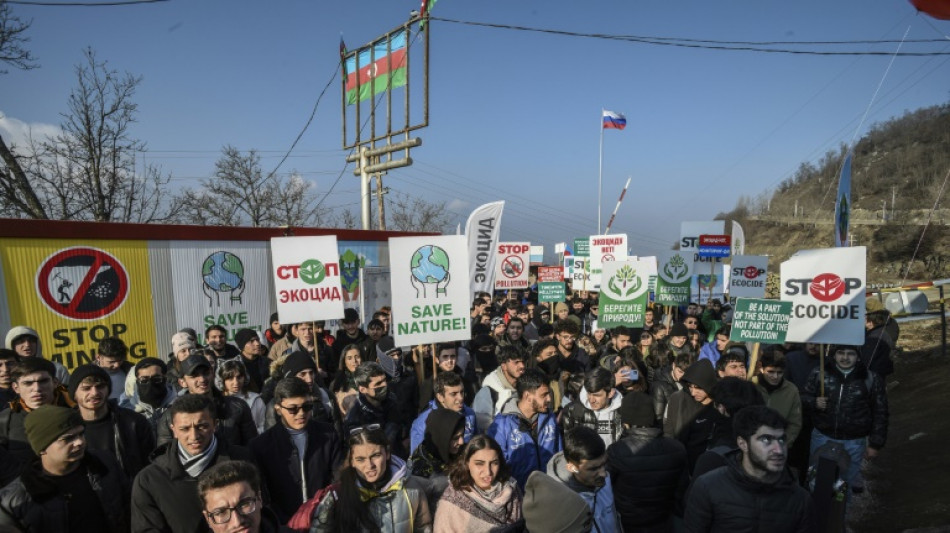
pixel 366 372
pixel 292 387
pixel 191 403
pixel 112 347
pixel 509 353
pixel 376 323
pixel 773 359
pixel 6 353
pixel 567 326
pixel 230 368
pixel 445 346
pixel 877 318
pixel 733 354
pixel 147 362
pixel 735 393
pixel 217 327
pixel 583 444
pixel 621 330
pixel 459 474
pixel 725 329
pixel 747 421
pixel 515 319
pixel 545 329
pixel 540 347
pixel 350 511
pixel 599 379
pixel 530 381
pixel 228 473
pixel 31 365
pixel 446 379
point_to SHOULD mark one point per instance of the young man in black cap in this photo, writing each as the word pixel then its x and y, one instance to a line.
pixel 122 433
pixel 257 366
pixel 302 366
pixel 67 487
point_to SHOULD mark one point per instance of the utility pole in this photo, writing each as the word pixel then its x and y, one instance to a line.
pixel 884 211
pixel 380 204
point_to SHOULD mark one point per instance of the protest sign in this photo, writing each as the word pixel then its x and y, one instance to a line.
pixel 758 320
pixel 537 255
pixel 624 294
pixel 748 275
pixel 551 291
pixel 604 249
pixel 582 247
pixel 549 273
pixel 707 286
pixel 307 278
pixel 827 290
pixel 511 265
pixel 430 288
pixel 674 277
pixel 689 242
pixel 579 269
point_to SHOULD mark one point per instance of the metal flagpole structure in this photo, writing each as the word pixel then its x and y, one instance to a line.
pixel 600 173
pixel 619 201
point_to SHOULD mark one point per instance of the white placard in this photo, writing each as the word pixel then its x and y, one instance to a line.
pixel 826 288
pixel 747 276
pixel 689 242
pixel 605 248
pixel 306 274
pixel 512 265
pixel 430 288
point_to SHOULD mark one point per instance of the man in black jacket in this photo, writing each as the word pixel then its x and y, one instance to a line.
pixel 648 471
pixel 35 385
pixel 67 487
pixel 122 433
pixel 163 494
pixel 298 455
pixel 755 491
pixel 375 405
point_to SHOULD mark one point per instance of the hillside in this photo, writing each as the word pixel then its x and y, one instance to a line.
pixel 899 166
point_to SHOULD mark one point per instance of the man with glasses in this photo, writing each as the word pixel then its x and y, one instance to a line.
pixel 230 494
pixel 67 487
pixel 153 394
pixel 298 455
pixel 573 358
pixel 163 492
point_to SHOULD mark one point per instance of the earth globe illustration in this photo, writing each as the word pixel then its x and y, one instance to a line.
pixel 430 264
pixel 222 272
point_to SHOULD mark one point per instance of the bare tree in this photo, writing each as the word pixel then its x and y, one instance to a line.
pixel 408 213
pixel 88 170
pixel 12 40
pixel 239 193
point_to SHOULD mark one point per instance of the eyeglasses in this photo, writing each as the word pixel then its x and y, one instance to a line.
pixel 245 507
pixel 157 380
pixel 368 427
pixel 294 409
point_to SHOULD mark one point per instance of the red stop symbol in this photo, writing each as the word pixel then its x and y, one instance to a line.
pixel 750 272
pixel 826 287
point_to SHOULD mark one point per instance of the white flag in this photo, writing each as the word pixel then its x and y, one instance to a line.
pixel 738 239
pixel 482 231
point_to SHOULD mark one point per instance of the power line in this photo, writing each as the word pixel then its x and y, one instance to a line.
pixel 84 4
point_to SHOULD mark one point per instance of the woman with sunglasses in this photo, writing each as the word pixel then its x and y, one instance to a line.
pixel 298 455
pixel 373 492
pixel 482 495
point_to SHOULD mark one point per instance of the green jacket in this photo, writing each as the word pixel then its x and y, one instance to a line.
pixel 786 401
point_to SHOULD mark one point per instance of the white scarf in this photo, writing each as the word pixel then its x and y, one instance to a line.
pixel 196 464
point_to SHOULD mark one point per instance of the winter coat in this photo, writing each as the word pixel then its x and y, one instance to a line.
pixel 527 447
pixel 855 409
pixel 710 352
pixel 493 395
pixel 235 423
pixel 132 438
pixel 600 500
pixel 418 431
pixel 786 400
pixel 152 414
pixel 728 500
pixel 283 472
pixel 605 422
pixel 13 433
pixel 662 388
pixel 363 413
pixel 399 507
pixel 33 503
pixel 650 471
pixel 62 375
pixel 165 497
pixel 682 408
pixel 467 511
pixel 875 354
pixel 798 367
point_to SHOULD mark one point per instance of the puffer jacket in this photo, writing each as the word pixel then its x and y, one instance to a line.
pixel 527 447
pixel 651 472
pixel 855 410
pixel 605 422
pixel 399 507
pixel 600 500
pixel 418 431
pixel 235 423
pixel 662 388
pixel 32 502
pixel 727 500
pixel 13 433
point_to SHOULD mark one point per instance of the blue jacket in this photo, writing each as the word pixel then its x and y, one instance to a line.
pixel 418 432
pixel 709 351
pixel 523 453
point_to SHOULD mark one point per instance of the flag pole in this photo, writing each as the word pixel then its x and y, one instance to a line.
pixel 600 174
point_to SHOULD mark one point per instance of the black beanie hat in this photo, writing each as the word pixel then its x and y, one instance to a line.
pixel 636 409
pixel 244 336
pixel 296 362
pixel 46 423
pixel 679 330
pixel 84 371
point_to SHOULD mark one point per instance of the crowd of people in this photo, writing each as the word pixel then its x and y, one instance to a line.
pixel 542 421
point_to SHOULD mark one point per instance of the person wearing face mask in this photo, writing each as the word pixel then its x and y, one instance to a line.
pixel 152 394
pixel 582 466
pixel 403 383
pixel 375 406
pixel 444 437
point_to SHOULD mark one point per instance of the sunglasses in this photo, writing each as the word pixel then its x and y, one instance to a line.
pixel 294 409
pixel 368 427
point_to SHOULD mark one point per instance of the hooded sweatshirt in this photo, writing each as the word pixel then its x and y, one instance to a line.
pixel 551 507
pixel 605 422
pixel 492 396
pixel 61 373
pixel 599 499
pixel 431 458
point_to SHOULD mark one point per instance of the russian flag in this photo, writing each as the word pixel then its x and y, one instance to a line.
pixel 614 121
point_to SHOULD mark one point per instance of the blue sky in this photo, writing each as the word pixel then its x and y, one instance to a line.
pixel 514 115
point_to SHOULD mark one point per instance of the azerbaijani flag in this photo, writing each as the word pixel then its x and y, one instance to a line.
pixel 614 121
pixel 382 66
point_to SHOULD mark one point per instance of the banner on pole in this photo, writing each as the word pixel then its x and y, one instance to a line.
pixel 674 276
pixel 758 320
pixel 623 297
pixel 738 239
pixel 604 249
pixel 482 231
pixel 843 204
pixel 307 278
pixel 511 271
pixel 430 289
pixel 826 287
pixel 748 276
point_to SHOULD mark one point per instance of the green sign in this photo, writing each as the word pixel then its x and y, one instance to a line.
pixel 623 294
pixel 582 247
pixel 758 320
pixel 551 291
pixel 674 276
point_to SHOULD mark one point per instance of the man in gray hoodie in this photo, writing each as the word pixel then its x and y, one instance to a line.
pixel 25 341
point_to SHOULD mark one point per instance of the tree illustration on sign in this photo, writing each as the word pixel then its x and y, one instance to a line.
pixel 350 265
pixel 675 268
pixel 625 282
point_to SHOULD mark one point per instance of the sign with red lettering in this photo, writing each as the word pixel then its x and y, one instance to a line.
pixel 604 249
pixel 550 274
pixel 306 274
pixel 511 265
pixel 714 246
